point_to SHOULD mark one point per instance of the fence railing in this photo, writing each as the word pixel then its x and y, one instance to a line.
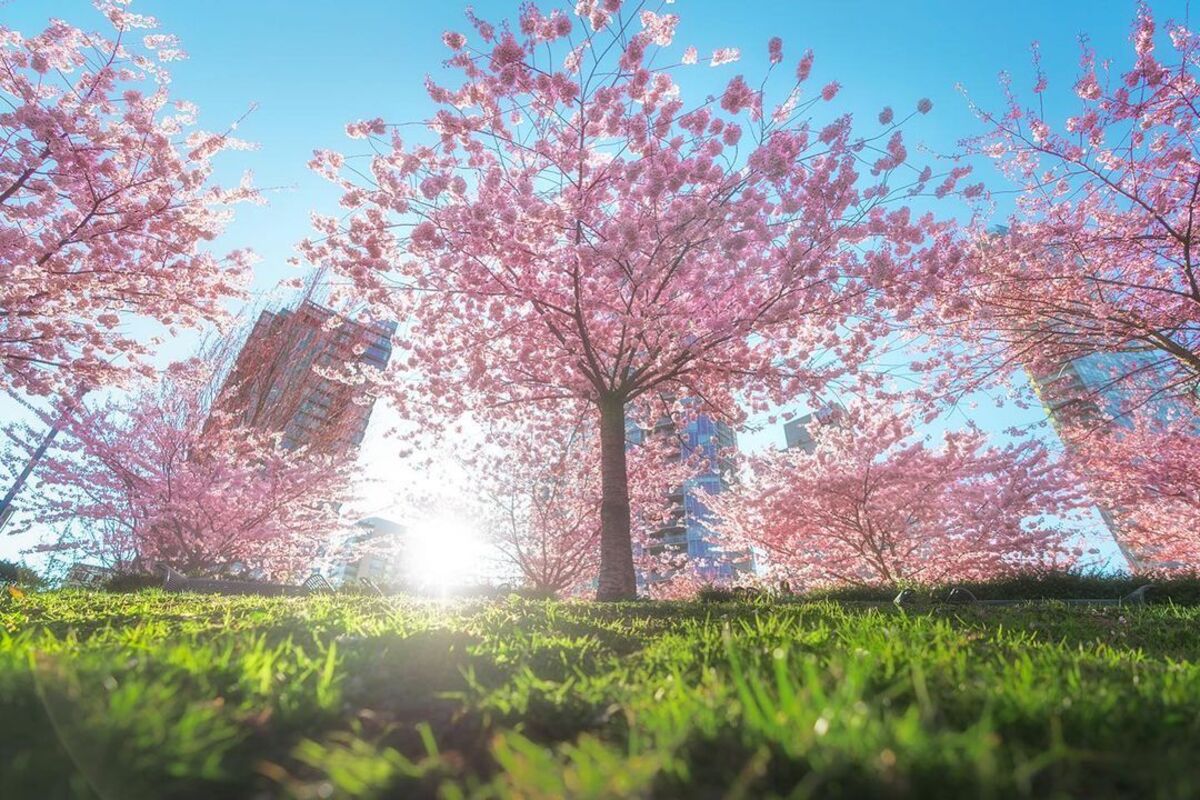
pixel 178 582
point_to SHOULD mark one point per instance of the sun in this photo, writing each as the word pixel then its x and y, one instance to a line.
pixel 444 552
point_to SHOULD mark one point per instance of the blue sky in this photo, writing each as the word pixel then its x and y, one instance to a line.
pixel 313 66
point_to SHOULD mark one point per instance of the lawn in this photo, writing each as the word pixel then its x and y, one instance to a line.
pixel 155 695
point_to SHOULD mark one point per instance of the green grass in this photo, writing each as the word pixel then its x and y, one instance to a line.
pixel 153 695
pixel 1049 585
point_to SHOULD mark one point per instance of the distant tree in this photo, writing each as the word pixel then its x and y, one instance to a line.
pixel 875 503
pixel 538 488
pixel 106 204
pixel 15 572
pixel 573 232
pixel 1100 254
pixel 540 507
pixel 159 477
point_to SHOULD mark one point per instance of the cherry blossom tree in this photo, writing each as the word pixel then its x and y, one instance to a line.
pixel 1098 255
pixel 565 228
pixel 1144 470
pixel 157 477
pixel 874 503
pixel 540 506
pixel 106 204
pixel 539 495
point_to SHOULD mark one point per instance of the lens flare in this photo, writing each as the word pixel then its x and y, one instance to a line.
pixel 444 552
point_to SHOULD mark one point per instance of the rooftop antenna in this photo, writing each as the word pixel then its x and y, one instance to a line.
pixel 314 288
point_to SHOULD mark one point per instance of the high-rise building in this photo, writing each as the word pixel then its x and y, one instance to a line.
pixel 1084 392
pixel 799 432
pixel 374 554
pixel 286 377
pixel 688 528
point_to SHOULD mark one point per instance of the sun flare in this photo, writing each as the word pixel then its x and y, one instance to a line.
pixel 444 551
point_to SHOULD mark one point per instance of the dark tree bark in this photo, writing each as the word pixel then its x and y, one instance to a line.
pixel 617 580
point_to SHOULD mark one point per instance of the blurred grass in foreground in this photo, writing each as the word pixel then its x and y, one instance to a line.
pixel 149 695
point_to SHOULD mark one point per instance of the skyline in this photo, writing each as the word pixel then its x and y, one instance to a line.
pixel 310 72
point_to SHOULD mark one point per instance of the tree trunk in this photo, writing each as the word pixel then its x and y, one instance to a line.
pixel 617 581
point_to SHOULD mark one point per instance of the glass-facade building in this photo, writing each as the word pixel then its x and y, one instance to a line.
pixel 1085 391
pixel 798 432
pixel 372 553
pixel 280 380
pixel 689 527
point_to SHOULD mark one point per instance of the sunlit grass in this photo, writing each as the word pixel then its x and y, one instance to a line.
pixel 153 695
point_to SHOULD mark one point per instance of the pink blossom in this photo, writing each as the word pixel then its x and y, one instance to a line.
pixel 1144 34
pixel 886 116
pixel 804 67
pixel 166 47
pixel 1156 500
pixel 775 50
pixel 434 185
pixel 574 58
pixel 725 55
pixel 485 29
pixel 562 24
pixel 659 27
pixel 690 56
pixel 116 217
pixel 507 52
pixel 454 40
pixel 830 91
pixel 874 502
pixel 737 96
pixel 1087 87
pixel 161 478
pixel 924 105
pixel 1099 184
pixel 367 127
